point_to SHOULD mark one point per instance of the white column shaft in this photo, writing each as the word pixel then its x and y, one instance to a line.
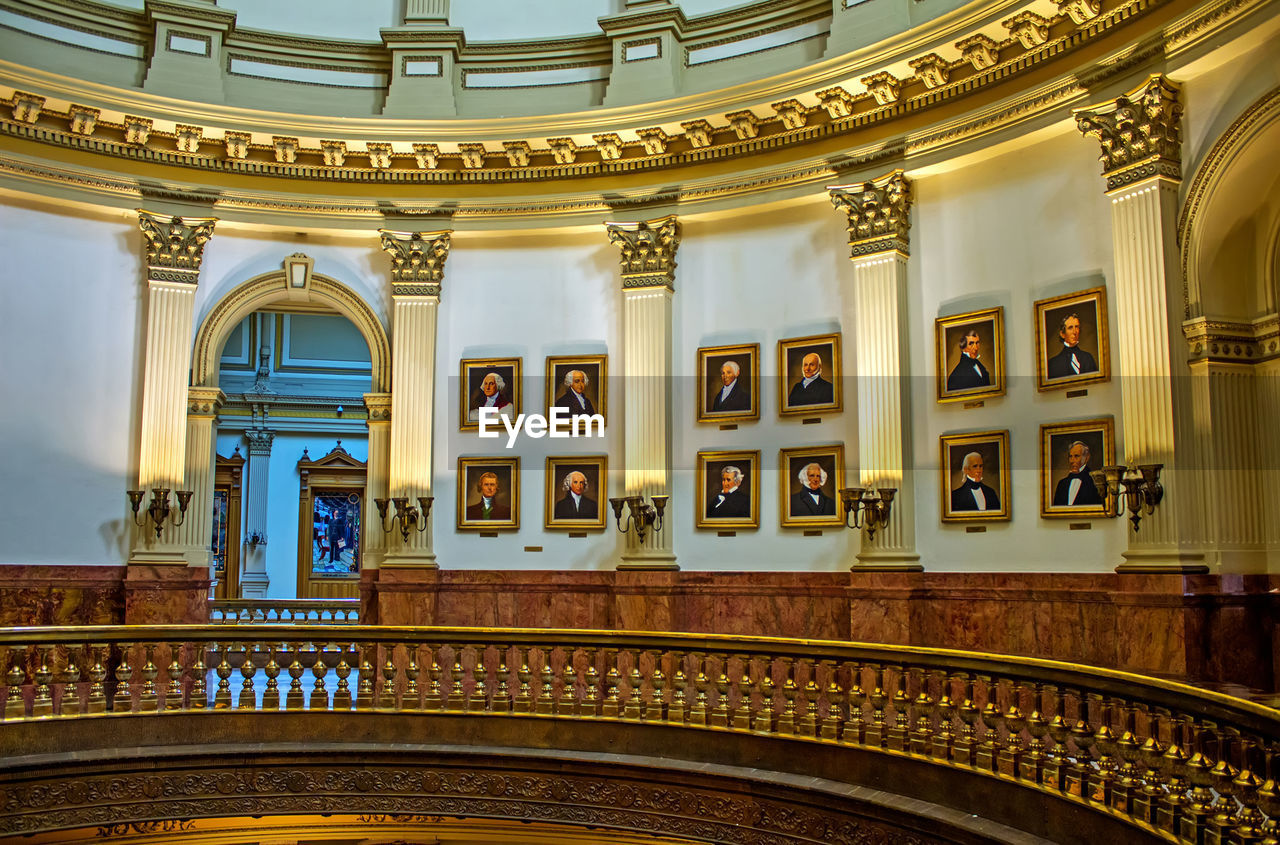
pixel 646 355
pixel 163 428
pixel 376 481
pixel 196 532
pixel 412 411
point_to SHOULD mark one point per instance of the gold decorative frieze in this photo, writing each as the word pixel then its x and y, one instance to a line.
pixel 472 155
pixel 979 50
pixel 335 153
pixel 137 130
pixel 837 101
pixel 187 138
pixel 744 124
pixel 610 145
pixel 286 149
pixel 1080 11
pixel 427 155
pixel 517 153
pixel 792 113
pixel 237 144
pixel 26 107
pixel 1140 132
pixel 82 119
pixel 564 150
pixel 648 251
pixel 1221 341
pixel 175 245
pixel 932 70
pixel 417 261
pixel 379 155
pixel 884 86
pixel 699 133
pixel 879 213
pixel 1030 29
pixel 655 140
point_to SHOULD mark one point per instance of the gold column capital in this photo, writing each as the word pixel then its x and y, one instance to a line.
pixel 204 401
pixel 175 245
pixel 648 251
pixel 379 407
pixel 879 213
pixel 1140 132
pixel 417 261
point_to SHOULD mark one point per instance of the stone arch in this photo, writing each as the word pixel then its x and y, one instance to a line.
pixel 273 289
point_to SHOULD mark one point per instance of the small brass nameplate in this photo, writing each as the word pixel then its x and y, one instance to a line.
pixel 533 548
pixel 813 533
pixel 811 421
pixel 977 404
pixel 577 535
pixel 975 529
pixel 488 533
pixel 1072 394
pixel 726 533
pixel 729 427
pixel 1080 526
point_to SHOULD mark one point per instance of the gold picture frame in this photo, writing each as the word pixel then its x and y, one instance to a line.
pixel 823 394
pixel 798 507
pixel 504 510
pixel 1060 364
pixel 1094 442
pixel 563 511
pixel 594 391
pixel 992 501
pixel 473 373
pixel 739 507
pixel 742 403
pixel 971 355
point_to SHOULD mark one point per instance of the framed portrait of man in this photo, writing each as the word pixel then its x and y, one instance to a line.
pixel 811 478
pixel 809 375
pixel 578 384
pixel 975 477
pixel 488 383
pixel 970 355
pixel 576 493
pixel 1069 453
pixel 1072 347
pixel 728 490
pixel 488 494
pixel 729 383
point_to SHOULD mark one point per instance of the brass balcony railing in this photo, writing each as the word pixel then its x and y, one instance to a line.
pixel 285 611
pixel 1180 763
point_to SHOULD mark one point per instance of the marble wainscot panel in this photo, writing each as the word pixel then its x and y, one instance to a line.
pixel 524 599
pixel 783 604
pixel 166 595
pixel 61 595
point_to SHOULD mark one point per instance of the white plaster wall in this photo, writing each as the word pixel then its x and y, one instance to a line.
pixel 71 302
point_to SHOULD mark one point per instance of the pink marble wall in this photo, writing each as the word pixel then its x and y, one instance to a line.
pixel 166 595
pixel 61 595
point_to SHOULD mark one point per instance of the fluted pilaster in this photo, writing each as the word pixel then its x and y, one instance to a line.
pixel 254 580
pixel 417 273
pixel 648 281
pixel 196 532
pixel 377 480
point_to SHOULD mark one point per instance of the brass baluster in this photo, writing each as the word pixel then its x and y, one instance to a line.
pixel 434 699
pixel 807 722
pixel 15 706
pixel 222 698
pixel 1102 783
pixel 456 704
pixel 365 674
pixel 318 698
pixel 1037 728
pixel 763 721
pixel 123 702
pixel 965 749
pixel 386 698
pixel 478 700
pixel 786 723
pixel 611 678
pixel 248 698
pixel 896 736
pixel 989 749
pixel 1081 767
pixel 720 715
pixel 271 695
pixel 925 705
pixel 634 707
pixel 855 727
pixel 568 704
pixel 698 712
pixel 875 732
pixel 342 694
pixel 1246 786
pixel 42 702
pixel 1053 771
pixel 1269 796
pixel 150 701
pixel 1223 821
pixel 97 674
pixel 546 701
pixel 675 713
pixel 502 697
pixel 1173 766
pixel 199 696
pixel 1148 797
pixel 524 703
pixel 293 699
pixel 69 702
pixel 830 729
pixel 591 706
pixel 1128 749
pixel 173 689
pixel 1009 762
pixel 1199 806
pixel 944 740
pixel 741 719
pixel 657 682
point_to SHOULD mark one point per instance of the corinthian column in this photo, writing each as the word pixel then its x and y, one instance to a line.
pixel 195 534
pixel 1141 139
pixel 254 580
pixel 175 246
pixel 878 213
pixel 417 272
pixel 648 282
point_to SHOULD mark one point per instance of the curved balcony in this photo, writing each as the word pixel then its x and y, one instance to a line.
pixel 688 737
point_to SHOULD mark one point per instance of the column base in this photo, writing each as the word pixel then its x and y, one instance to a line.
pixel 409 560
pixel 158 557
pixel 1163 561
pixel 887 561
pixel 253 585
pixel 648 562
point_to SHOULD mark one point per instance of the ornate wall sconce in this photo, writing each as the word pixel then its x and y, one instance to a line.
pixel 407 516
pixel 640 514
pixel 255 539
pixel 867 507
pixel 159 511
pixel 1136 488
